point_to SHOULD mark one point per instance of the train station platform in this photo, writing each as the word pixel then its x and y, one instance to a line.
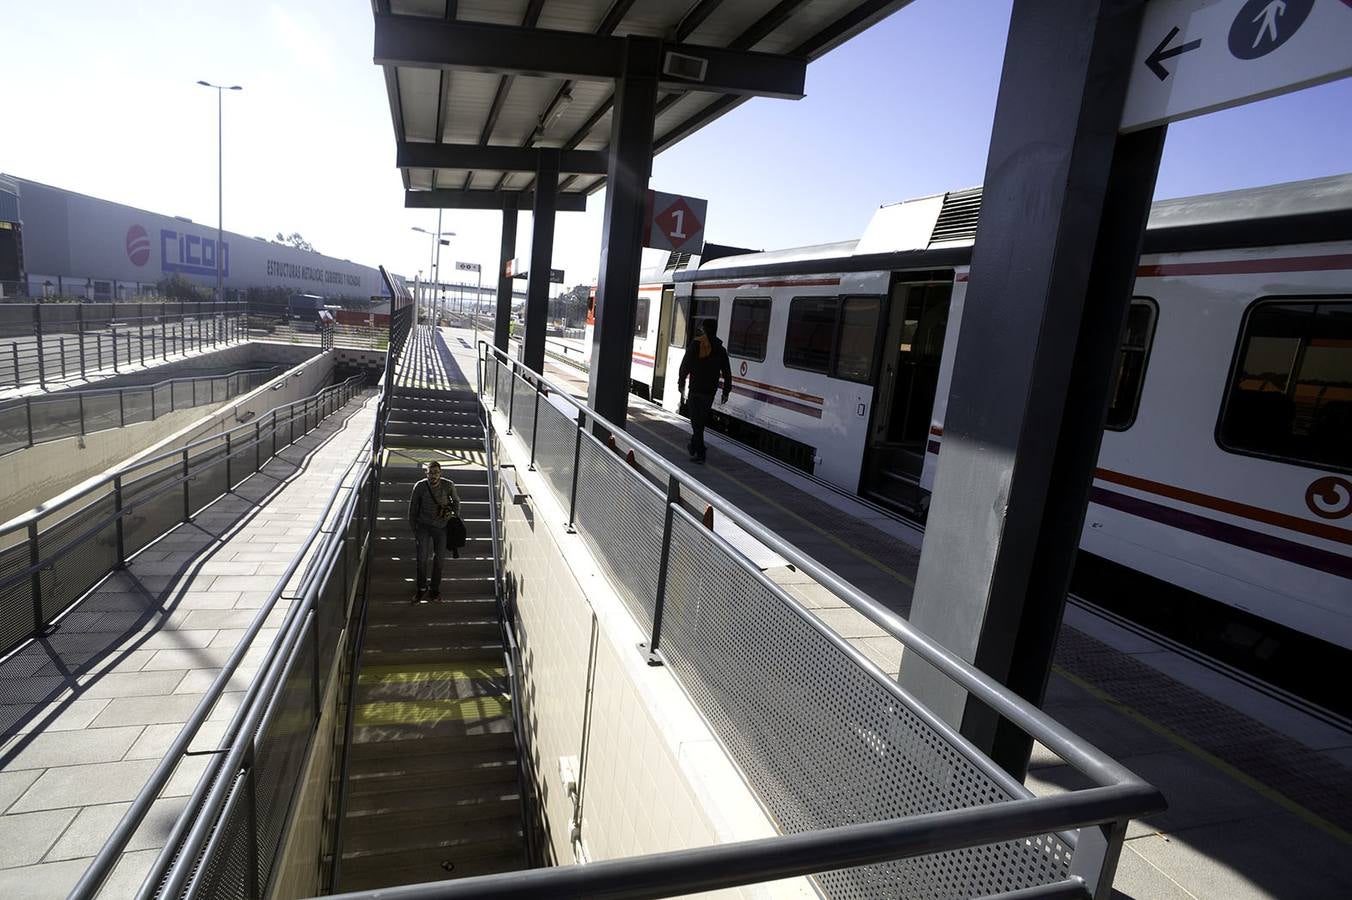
pixel 1259 789
pixel 91 709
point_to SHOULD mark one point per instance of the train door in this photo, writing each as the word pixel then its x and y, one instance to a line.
pixel 912 349
pixel 663 336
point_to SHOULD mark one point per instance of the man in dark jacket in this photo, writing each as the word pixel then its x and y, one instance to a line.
pixel 705 362
pixel 431 507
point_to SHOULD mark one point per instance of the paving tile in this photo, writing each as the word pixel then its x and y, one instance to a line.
pixel 70 748
pixel 62 715
pixel 155 740
pixel 849 623
pixel 206 600
pixel 884 652
pixel 218 618
pixel 1270 856
pixel 199 681
pixel 92 827
pixel 186 776
pixel 148 710
pixel 253 583
pixel 229 567
pixel 48 881
pixel 85 785
pixel 203 658
pixel 24 838
pixel 13 785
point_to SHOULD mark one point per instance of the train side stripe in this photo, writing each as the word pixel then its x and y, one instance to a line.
pixel 775 400
pixel 1220 504
pixel 1310 557
pixel 774 387
pixel 807 282
pixel 1327 263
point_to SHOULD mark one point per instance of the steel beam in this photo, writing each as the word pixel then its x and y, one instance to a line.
pixel 631 149
pixel 410 155
pixel 541 257
pixel 477 47
pixel 448 199
pixel 502 324
pixel 1062 221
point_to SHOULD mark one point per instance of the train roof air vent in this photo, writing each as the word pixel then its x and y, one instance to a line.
pixel 678 260
pixel 957 218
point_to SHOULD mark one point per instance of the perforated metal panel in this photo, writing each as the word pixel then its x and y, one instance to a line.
pixel 227 865
pixel 524 420
pixel 152 504
pixel 621 518
pixel 136 405
pixel 55 418
pixel 554 449
pixel 64 579
pixel 16 595
pixel 822 740
pixel 101 411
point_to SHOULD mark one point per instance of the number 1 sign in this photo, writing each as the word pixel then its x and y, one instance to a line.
pixel 675 222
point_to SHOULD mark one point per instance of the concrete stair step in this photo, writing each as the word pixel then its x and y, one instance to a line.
pixel 376 775
pixel 425 655
pixel 429 635
pixel 465 861
pixel 399 830
pixel 408 793
pixel 388 586
pixel 436 681
pixel 402 612
pixel 409 745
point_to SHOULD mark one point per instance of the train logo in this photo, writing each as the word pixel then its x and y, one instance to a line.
pixel 1329 497
pixel 138 246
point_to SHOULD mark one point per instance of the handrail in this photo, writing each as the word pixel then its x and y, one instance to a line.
pixel 505 627
pixel 101 867
pixel 1073 750
pixel 84 488
pixel 29 401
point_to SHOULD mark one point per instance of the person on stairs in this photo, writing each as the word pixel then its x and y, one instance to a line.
pixel 705 363
pixel 434 502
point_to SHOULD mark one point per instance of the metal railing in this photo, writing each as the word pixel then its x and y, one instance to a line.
pixel 39 418
pixel 52 555
pixel 42 343
pixel 875 794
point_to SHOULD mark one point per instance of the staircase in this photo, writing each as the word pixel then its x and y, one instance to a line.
pixel 433 786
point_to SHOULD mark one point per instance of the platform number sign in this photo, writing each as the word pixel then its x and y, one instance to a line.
pixel 1196 56
pixel 675 222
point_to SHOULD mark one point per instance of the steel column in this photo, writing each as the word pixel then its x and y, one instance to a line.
pixel 631 156
pixel 541 257
pixel 37 331
pixel 1063 216
pixel 507 251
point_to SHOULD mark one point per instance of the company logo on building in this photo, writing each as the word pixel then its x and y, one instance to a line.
pixel 138 245
pixel 191 254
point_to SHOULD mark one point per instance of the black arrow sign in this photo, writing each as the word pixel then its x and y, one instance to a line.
pixel 1160 54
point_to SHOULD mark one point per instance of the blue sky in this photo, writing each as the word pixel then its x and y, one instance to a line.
pixel 100 98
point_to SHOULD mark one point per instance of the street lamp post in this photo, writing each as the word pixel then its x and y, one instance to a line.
pixel 434 259
pixel 220 183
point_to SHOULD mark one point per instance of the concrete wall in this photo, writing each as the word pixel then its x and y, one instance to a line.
pixel 654 777
pixel 251 355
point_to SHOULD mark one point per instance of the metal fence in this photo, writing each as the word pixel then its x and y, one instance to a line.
pixel 53 555
pixel 876 796
pixel 42 343
pixel 357 337
pixel 25 421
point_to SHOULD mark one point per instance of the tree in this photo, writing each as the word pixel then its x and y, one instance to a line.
pixel 176 287
pixel 294 239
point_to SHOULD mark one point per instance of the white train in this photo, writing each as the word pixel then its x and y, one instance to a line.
pixel 1226 468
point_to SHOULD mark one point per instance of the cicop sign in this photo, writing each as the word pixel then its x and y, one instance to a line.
pixel 1196 56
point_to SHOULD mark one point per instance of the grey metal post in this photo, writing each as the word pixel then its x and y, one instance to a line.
pixel 61 351
pixel 37 331
pixel 34 558
pixel 1097 851
pixel 187 500
pixel 1063 218
pixel 79 330
pixel 577 460
pixel 112 329
pixel 274 433
pixel 511 395
pixel 497 364
pixel 541 257
pixel 121 409
pixel 258 445
pixel 502 324
pixel 660 602
pixel 28 410
pixel 14 350
pixel 535 425
pixel 631 156
pixel 117 510
pixel 79 400
pixel 141 328
pixel 229 466
pixel 164 334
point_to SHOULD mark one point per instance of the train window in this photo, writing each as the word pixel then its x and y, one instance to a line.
pixel 1290 394
pixel 857 338
pixel 1131 360
pixel 641 318
pixel 750 328
pixel 811 333
pixel 680 322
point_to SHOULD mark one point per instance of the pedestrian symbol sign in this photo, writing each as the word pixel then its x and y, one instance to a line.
pixel 1196 56
pixel 675 222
